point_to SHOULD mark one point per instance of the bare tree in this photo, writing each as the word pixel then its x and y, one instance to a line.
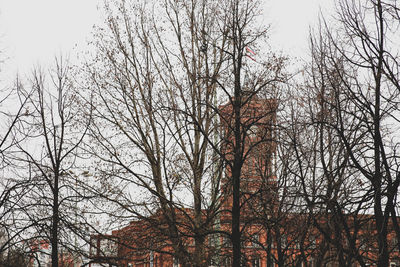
pixel 350 163
pixel 159 80
pixel 250 89
pixel 12 110
pixel 153 96
pixel 14 257
pixel 47 158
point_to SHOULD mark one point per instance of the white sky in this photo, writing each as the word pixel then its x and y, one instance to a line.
pixel 291 21
pixel 34 31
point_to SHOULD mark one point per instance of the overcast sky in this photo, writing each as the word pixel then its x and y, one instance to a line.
pixel 34 31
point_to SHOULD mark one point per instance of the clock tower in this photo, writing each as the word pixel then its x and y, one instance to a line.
pixel 258 149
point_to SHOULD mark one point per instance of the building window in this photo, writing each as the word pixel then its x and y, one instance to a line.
pixel 255 241
pixel 313 241
pixel 228 262
pixel 176 262
pixel 253 131
pixel 394 243
pixel 363 244
pixel 212 240
pixel 243 261
pixel 42 256
pixel 226 242
pixel 255 262
pixel 251 168
pixel 151 259
pixel 108 247
pixel 311 262
pixel 283 241
pixel 296 244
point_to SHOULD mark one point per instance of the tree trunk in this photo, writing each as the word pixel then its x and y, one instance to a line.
pixel 54 228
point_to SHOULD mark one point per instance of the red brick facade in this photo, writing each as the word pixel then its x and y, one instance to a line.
pixel 270 235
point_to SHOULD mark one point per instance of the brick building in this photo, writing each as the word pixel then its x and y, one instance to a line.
pixel 40 255
pixel 271 236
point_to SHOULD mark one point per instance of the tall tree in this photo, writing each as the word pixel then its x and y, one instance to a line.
pixel 153 96
pixel 354 91
pixel 48 156
pixel 249 88
pixel 158 81
pixel 12 110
